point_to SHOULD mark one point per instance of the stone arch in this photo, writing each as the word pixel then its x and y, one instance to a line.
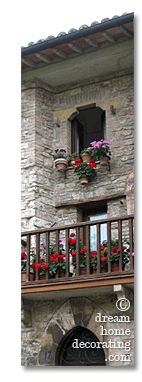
pixel 73 312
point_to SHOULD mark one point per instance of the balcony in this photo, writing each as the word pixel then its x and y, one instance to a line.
pixel 73 283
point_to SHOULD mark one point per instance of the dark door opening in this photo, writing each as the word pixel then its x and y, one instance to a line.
pixel 71 353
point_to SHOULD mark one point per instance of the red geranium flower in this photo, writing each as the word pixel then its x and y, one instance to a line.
pixel 37 266
pixel 80 239
pixel 73 253
pixel 23 255
pixel 56 260
pixel 72 234
pixel 44 266
pixel 69 240
pixel 41 260
pixel 94 253
pixel 123 247
pixel 62 256
pixel 103 258
pixel 102 247
pixel 56 254
pixel 112 252
pixel 73 241
pixel 118 250
pixel 114 248
pixel 83 250
pixel 77 160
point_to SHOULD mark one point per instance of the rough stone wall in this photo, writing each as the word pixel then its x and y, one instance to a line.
pixel 50 197
pixel 44 132
pixel 44 324
pixel 119 131
pixel 28 158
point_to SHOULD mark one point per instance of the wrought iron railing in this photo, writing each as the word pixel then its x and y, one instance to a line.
pixel 119 228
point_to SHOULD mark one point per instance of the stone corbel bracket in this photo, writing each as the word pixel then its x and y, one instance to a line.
pixel 123 292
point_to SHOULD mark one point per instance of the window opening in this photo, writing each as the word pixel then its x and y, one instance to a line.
pixel 87 126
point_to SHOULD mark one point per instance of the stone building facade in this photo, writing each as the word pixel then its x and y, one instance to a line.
pixel 50 198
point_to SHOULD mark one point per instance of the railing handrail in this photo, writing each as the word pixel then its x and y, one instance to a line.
pixel 80 224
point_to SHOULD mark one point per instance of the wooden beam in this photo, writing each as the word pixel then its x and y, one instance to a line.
pixel 28 63
pixel 73 283
pixel 126 31
pixel 59 53
pixel 42 57
pixel 75 48
pixel 108 37
pixel 92 43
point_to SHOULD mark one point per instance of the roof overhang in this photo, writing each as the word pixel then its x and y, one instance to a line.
pixel 81 56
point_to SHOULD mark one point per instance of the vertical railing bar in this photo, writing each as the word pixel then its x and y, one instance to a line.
pixel 88 249
pixel 67 253
pixel 77 251
pixel 131 242
pixel 37 253
pixel 120 244
pixel 109 244
pixel 57 249
pixel 57 240
pixel 28 258
pixel 47 253
pixel 98 248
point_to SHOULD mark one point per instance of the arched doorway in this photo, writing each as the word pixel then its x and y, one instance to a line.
pixel 80 347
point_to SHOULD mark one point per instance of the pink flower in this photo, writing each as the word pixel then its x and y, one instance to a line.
pixel 89 148
pixel 41 248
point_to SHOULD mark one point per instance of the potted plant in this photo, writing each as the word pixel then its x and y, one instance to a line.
pixel 86 154
pixel 60 159
pixel 82 253
pixel 93 261
pixel 82 261
pixel 42 266
pixel 23 268
pixel 84 170
pixel 53 264
pixel 102 151
pixel 104 257
pixel 72 158
pixel 115 255
pixel 114 258
pixel 62 265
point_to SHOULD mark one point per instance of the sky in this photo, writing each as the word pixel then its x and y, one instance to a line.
pixel 38 20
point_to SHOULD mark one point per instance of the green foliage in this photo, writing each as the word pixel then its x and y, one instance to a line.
pixel 60 153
